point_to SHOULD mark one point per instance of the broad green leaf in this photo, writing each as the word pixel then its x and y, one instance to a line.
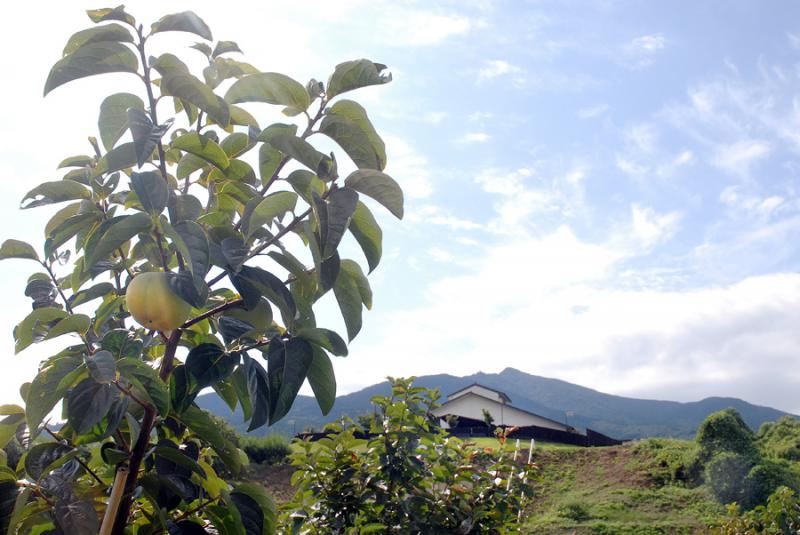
pixel 84 296
pixel 238 171
pixel 93 58
pixel 186 21
pixel 117 234
pixel 122 343
pixel 348 297
pixel 258 392
pixel 45 392
pixel 301 150
pixel 207 364
pixel 206 429
pixel 277 130
pixel 202 147
pixel 253 283
pixel 272 206
pixel 74 323
pixel 196 242
pixel 18 249
pixel 55 192
pixel 43 455
pixel 88 403
pixel 35 326
pixel 268 161
pixel 224 389
pixel 269 87
pixel 225 47
pixel 102 366
pixel 117 13
pixel 13 501
pixel 236 144
pixel 263 502
pixel 178 457
pixel 287 367
pixel 340 205
pixel 239 383
pixel 108 32
pixel 346 122
pixel 368 234
pixel 75 161
pixel 352 268
pixel 306 183
pixel 188 164
pixel 241 117
pixel 354 74
pixel 133 369
pixel 146 135
pixel 325 338
pixel 60 217
pixel 322 380
pixel 380 187
pixel 177 81
pixel 202 47
pixel 151 190
pixel 76 517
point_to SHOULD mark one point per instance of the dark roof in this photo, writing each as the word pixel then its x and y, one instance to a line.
pixel 511 407
pixel 503 395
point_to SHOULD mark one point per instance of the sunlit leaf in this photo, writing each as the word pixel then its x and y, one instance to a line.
pixel 187 21
pixel 355 74
pixel 380 187
pixel 108 32
pixel 269 87
pixel 93 58
pixel 346 122
pixel 55 192
pixel 18 249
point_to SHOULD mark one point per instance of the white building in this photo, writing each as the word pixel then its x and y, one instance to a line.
pixel 470 402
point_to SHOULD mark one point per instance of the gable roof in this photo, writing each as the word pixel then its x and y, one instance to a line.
pixel 545 418
pixel 502 395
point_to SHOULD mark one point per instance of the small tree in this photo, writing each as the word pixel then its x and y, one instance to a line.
pixel 153 225
pixel 725 431
pixel 488 419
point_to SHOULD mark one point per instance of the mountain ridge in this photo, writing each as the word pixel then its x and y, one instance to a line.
pixel 616 416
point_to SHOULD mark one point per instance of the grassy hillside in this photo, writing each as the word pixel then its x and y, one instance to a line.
pixel 615 416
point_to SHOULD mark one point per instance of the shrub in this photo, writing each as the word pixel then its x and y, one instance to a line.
pixel 411 477
pixel 724 475
pixel 780 516
pixel 575 511
pixel 672 462
pixel 270 449
pixel 781 439
pixel 725 431
pixel 763 479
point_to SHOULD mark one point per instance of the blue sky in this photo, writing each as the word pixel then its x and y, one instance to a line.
pixel 605 193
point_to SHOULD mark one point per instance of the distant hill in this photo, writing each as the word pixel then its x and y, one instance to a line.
pixel 615 416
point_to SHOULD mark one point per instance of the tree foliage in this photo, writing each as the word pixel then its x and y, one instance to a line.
pixel 246 222
pixel 408 477
pixel 725 431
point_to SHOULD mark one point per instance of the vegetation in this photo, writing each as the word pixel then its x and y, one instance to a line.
pixel 780 439
pixel 172 201
pixel 268 449
pixel 410 477
pixel 780 516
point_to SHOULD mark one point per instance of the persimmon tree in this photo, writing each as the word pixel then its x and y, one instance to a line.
pixel 244 222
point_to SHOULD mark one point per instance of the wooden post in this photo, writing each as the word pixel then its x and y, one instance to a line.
pixel 113 500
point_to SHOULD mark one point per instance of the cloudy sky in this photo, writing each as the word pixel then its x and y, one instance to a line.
pixel 605 193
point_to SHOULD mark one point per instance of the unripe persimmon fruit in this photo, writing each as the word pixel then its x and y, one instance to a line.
pixel 153 304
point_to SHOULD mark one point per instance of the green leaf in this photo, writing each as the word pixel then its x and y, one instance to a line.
pixel 43 455
pixel 196 242
pixel 355 74
pixel 287 367
pixel 102 366
pixel 272 206
pixel 206 429
pixel 88 403
pixel 117 159
pixel 346 122
pixel 202 147
pixel 277 130
pixel 380 187
pixel 75 161
pixel 306 183
pixel 113 120
pixel 151 190
pixel 335 218
pixel 258 393
pixel 117 13
pixel 181 459
pixel 368 234
pixel 348 297
pixel 146 135
pixel 76 517
pixel 54 192
pixel 186 21
pixel 325 338
pixel 269 87
pixel 93 58
pixel 253 282
pixel 301 150
pixel 138 370
pixel 225 47
pixel 84 296
pixel 240 386
pixel 202 47
pixel 122 343
pixel 45 391
pixel 18 249
pixel 108 32
pixel 236 144
pixel 259 501
pixel 268 161
pixel 352 268
pixel 207 364
pixel 117 234
pixel 74 323
pixel 322 380
pixel 177 81
pixel 188 164
pixel 35 326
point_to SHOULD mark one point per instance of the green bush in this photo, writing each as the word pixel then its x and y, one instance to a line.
pixel 672 461
pixel 724 475
pixel 575 511
pixel 781 439
pixel 780 516
pixel 270 449
pixel 763 479
pixel 411 477
pixel 725 431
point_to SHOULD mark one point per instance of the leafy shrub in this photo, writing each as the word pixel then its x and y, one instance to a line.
pixel 780 439
pixel 672 461
pixel 270 449
pixel 725 474
pixel 725 431
pixel 575 511
pixel 411 477
pixel 763 479
pixel 780 516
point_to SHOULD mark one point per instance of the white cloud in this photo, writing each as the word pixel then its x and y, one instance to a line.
pixel 434 117
pixel 410 27
pixel 592 111
pixel 408 167
pixel 435 215
pixel 641 51
pixel 650 228
pixel 738 157
pixel 630 167
pixel 474 137
pixel 497 67
pixel 440 255
pixel 480 116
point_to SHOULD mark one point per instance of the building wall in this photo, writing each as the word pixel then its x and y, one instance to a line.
pixel 471 406
pixel 481 391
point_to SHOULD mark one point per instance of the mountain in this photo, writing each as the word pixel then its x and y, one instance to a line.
pixel 615 416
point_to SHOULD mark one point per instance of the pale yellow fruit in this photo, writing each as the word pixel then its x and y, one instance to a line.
pixel 153 304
